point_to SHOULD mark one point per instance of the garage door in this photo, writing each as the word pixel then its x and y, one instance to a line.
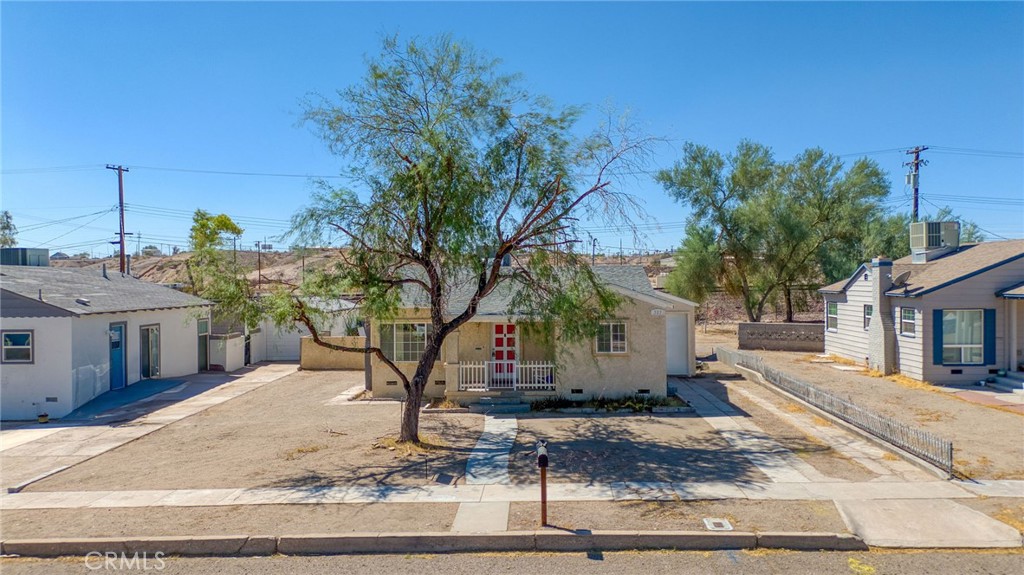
pixel 283 345
pixel 677 344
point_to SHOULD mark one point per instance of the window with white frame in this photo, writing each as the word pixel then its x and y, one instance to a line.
pixel 908 320
pixel 963 336
pixel 832 315
pixel 17 346
pixel 404 341
pixel 611 337
pixel 868 311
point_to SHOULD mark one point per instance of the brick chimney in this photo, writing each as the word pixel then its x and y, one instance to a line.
pixel 882 331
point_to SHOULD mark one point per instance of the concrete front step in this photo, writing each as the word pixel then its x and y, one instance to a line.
pixel 1010 384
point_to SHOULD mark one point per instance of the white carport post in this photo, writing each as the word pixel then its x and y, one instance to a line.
pixel 1013 335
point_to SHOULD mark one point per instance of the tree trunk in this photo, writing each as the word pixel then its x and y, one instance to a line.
pixel 789 303
pixel 414 399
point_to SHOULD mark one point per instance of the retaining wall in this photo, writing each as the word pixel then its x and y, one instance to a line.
pixel 313 356
pixel 782 336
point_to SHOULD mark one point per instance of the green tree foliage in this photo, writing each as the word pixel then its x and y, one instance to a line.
pixel 886 235
pixel 456 167
pixel 213 274
pixel 770 220
pixel 7 230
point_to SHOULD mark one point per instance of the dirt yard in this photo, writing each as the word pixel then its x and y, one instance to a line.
pixel 798 516
pixel 284 434
pixel 227 520
pixel 629 447
pixel 988 442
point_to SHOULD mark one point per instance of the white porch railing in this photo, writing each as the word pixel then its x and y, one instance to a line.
pixel 506 375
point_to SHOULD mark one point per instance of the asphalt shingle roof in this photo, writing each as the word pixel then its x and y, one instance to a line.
pixel 498 302
pixel 963 262
pixel 64 287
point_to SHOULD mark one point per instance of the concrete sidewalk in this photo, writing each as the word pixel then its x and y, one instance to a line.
pixel 618 491
pixel 28 453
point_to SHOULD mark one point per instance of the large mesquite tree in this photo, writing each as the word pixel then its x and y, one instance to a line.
pixel 455 168
pixel 759 227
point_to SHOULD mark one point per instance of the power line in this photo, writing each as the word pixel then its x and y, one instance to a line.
pixel 75 229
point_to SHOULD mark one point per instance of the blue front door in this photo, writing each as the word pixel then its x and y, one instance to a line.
pixel 117 379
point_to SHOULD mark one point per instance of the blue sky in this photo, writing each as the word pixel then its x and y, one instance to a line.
pixel 217 87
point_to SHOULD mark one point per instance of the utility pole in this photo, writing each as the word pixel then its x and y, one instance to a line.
pixel 912 177
pixel 593 251
pixel 120 202
pixel 259 267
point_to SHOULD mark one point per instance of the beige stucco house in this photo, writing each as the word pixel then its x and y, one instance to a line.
pixel 945 314
pixel 650 337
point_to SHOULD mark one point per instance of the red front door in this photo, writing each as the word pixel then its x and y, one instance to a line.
pixel 504 353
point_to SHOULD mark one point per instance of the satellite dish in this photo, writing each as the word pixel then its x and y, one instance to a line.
pixel 901 279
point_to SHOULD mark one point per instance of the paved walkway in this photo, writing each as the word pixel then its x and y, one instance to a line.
pixel 27 453
pixel 488 463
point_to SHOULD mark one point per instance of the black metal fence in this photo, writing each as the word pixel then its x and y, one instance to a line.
pixel 927 446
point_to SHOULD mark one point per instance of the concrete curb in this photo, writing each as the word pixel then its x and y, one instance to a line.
pixel 431 542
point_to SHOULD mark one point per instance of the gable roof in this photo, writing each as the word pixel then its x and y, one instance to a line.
pixel 1012 292
pixel 628 280
pixel 963 263
pixel 842 285
pixel 83 292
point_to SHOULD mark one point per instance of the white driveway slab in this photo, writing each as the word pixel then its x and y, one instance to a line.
pixel 936 523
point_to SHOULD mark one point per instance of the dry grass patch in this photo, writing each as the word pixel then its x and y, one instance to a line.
pixel 910 383
pixel 889 457
pixel 298 452
pixel 1012 516
pixel 793 408
pixel 444 403
pixel 428 443
pixel 929 415
pixel 821 421
pixel 980 467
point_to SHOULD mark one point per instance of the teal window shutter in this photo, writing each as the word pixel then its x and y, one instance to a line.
pixel 936 337
pixel 990 337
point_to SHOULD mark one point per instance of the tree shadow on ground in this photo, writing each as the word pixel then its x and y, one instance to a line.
pixel 635 448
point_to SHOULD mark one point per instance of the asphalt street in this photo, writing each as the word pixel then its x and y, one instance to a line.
pixel 995 562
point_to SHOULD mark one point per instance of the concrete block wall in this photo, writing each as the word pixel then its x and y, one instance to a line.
pixel 782 336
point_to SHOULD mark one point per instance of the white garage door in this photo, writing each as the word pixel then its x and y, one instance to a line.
pixel 283 345
pixel 677 344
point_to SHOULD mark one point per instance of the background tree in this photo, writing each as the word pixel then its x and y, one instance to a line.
pixel 769 221
pixel 213 275
pixel 456 168
pixel 7 230
pixel 151 250
pixel 885 235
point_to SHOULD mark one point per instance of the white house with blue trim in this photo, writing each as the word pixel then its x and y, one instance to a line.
pixel 69 335
pixel 945 314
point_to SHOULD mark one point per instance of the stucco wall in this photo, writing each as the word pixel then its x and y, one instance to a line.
pixel 615 375
pixel 385 383
pixel 227 351
pixel 49 375
pixel 179 350
pixel 315 357
pixel 782 336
